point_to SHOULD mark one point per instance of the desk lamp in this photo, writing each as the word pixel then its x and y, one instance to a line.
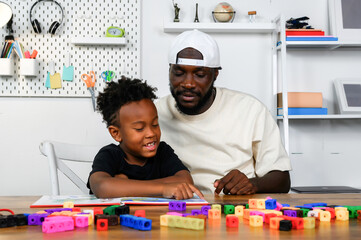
pixel 6 18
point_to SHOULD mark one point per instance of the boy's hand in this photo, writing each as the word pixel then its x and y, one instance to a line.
pixel 180 191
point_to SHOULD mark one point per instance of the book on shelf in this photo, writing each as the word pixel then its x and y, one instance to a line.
pixel 305 33
pixel 303 111
pixel 311 38
pixel 301 99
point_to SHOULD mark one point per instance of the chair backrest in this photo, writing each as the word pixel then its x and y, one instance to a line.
pixel 57 152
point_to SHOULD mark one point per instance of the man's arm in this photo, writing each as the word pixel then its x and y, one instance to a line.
pixel 104 185
pixel 236 183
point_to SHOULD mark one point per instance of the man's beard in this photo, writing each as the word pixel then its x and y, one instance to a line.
pixel 196 109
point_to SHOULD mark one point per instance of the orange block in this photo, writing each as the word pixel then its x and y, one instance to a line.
pixel 246 213
pixel 275 222
pixel 325 216
pixel 256 221
pixel 342 215
pixel 238 211
pixel 252 203
pixel 309 222
pixel 214 214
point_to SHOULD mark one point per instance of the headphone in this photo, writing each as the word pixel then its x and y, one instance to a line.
pixel 54 26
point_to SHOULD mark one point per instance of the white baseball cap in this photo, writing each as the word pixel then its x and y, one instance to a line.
pixel 200 41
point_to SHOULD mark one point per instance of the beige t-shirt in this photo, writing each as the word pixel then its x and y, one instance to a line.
pixel 236 132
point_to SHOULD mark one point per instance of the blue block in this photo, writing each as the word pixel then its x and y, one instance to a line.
pixel 142 224
pixel 306 207
pixel 126 220
pixel 285 205
pixel 271 204
pixel 316 204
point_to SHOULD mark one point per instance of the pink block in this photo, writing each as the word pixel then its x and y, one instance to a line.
pixel 61 222
pixel 252 213
pixel 81 221
pixel 175 214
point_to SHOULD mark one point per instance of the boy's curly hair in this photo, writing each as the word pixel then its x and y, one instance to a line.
pixel 117 94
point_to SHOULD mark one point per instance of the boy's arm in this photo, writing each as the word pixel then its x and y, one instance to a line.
pixel 104 185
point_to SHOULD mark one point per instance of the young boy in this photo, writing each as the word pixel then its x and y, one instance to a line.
pixel 140 165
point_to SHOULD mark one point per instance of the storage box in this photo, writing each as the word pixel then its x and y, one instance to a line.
pixel 6 66
pixel 29 67
pixel 301 100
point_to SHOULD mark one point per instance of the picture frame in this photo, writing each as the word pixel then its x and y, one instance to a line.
pixel 348 92
pixel 345 20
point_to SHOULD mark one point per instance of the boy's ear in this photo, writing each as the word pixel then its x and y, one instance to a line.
pixel 115 133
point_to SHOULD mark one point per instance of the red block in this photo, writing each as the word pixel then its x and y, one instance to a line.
pixel 102 224
pixel 267 217
pixel 359 214
pixel 76 209
pixel 139 213
pixel 332 212
pixel 232 221
pixel 297 223
pixel 97 210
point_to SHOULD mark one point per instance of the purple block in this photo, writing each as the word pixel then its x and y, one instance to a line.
pixel 196 212
pixel 36 219
pixel 177 206
pixel 50 211
pixel 186 214
pixel 252 213
pixel 290 213
pixel 205 209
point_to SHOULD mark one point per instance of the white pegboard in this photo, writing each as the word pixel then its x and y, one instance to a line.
pixel 85 18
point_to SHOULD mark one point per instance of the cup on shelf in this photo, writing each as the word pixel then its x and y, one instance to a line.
pixel 6 66
pixel 29 67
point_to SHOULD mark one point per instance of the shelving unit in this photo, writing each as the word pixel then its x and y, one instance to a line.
pixel 279 36
pixel 98 41
pixel 174 27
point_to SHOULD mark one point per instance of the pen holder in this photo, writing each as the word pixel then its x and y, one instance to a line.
pixel 6 66
pixel 29 67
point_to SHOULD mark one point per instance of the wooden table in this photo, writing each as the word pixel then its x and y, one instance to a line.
pixel 332 230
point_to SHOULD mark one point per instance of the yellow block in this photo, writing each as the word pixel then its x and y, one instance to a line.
pixel 261 203
pixel 238 211
pixel 325 216
pixel 217 206
pixel 342 215
pixel 256 221
pixel 164 220
pixel 309 222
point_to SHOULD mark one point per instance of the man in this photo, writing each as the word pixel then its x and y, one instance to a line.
pixel 227 139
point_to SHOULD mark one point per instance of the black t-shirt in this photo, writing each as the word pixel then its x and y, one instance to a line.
pixel 110 159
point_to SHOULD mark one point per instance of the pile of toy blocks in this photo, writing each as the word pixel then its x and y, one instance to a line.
pixel 258 212
pixel 70 217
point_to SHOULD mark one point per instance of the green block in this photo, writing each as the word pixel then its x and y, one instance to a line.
pixel 305 211
pixel 217 206
pixel 110 210
pixel 178 222
pixel 228 209
pixel 247 206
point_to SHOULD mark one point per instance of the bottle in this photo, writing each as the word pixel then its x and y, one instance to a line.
pixel 252 16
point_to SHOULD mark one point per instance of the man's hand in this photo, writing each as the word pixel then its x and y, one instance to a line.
pixel 180 191
pixel 235 183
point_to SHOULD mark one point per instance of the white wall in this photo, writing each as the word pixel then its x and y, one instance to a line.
pixel 322 152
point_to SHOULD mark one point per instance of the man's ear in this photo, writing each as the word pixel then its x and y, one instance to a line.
pixel 216 72
pixel 115 133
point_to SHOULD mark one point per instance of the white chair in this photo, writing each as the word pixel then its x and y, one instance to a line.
pixel 57 152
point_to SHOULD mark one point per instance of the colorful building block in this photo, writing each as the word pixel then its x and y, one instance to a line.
pixel 238 210
pixel 201 216
pixel 172 220
pixel 312 214
pixel 325 216
pixel 217 206
pixel 196 212
pixel 228 209
pixel 205 209
pixel 232 221
pixel 261 203
pixel 81 221
pixel 36 219
pixel 175 214
pixel 342 215
pixel 177 206
pixel 252 203
pixel 257 213
pixel 268 216
pixel 68 204
pixel 309 222
pixel 359 214
pixel 196 224
pixel 139 213
pixel 275 222
pixel 270 204
pixel 214 214
pixel 11 221
pixel 120 210
pixel 297 223
pixel 255 221
pixel 98 210
pixel 164 220
pixel 290 213
pixel 142 224
pixel 102 224
pixel 21 219
pixel 332 212
pixel 285 225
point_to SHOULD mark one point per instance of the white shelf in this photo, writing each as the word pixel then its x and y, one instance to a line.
pixel 176 27
pixel 330 116
pixel 329 45
pixel 119 41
